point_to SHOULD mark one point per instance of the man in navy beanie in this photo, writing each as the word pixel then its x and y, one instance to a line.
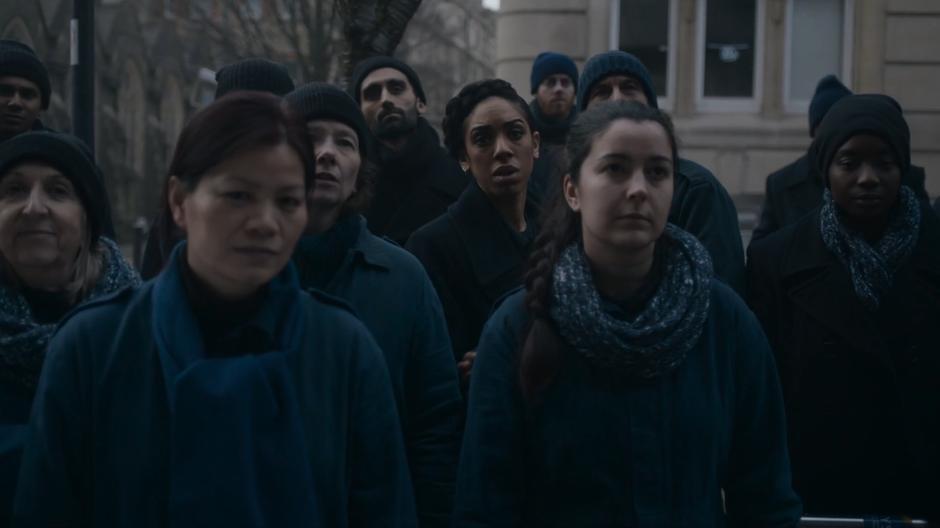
pixel 417 178
pixel 796 190
pixel 25 89
pixel 700 204
pixel 554 83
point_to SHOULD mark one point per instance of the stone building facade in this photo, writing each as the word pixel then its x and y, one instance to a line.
pixel 155 67
pixel 737 74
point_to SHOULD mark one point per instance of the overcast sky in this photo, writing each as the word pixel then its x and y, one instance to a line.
pixel 491 4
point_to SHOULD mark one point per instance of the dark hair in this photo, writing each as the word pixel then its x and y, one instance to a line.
pixel 235 123
pixel 462 105
pixel 542 349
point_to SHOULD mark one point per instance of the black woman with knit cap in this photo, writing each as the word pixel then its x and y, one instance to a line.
pixel 849 297
pixel 253 75
pixel 25 89
pixel 417 178
pixel 796 190
pixel 554 85
pixel 389 290
pixel 54 255
pixel 700 205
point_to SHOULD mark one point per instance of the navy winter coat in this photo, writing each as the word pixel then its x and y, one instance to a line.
pixel 393 296
pixel 124 433
pixel 14 414
pixel 598 451
pixel 702 206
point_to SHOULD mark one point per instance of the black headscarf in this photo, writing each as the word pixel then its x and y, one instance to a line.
pixel 874 114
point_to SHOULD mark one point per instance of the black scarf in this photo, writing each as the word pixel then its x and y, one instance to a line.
pixel 552 130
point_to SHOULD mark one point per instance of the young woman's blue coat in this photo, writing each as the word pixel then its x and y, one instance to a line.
pixel 601 451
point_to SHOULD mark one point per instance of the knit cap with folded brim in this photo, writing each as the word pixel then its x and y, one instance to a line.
pixel 367 66
pixel 828 92
pixel 609 63
pixel 258 75
pixel 19 60
pixel 319 100
pixel 70 156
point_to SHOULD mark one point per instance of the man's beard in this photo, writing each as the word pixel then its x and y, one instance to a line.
pixel 395 128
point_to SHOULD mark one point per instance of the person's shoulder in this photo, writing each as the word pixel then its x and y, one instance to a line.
pixel 777 243
pixel 510 309
pixel 792 173
pixel 397 258
pixel 439 231
pixel 700 179
pixel 97 319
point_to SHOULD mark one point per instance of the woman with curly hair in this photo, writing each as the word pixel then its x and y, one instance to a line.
pixel 625 386
pixel 475 252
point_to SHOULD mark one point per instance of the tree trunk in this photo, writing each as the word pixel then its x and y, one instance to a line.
pixel 373 27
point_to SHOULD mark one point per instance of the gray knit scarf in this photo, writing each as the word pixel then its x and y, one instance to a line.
pixel 872 268
pixel 657 341
pixel 23 340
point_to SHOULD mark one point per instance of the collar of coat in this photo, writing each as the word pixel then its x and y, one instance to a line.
pixel 815 280
pixel 373 250
pixel 493 248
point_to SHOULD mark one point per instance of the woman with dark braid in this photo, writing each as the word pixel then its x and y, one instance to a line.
pixel 850 300
pixel 625 386
pixel 475 252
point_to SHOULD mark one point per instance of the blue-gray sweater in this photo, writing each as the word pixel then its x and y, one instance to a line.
pixel 393 296
pixel 599 451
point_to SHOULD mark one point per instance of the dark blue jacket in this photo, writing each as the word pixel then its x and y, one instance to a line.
pixel 598 451
pixel 14 413
pixel 702 206
pixel 393 296
pixel 101 446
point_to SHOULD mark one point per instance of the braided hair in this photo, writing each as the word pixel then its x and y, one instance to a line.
pixel 461 106
pixel 561 226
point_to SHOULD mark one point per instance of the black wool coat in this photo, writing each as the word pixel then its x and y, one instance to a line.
pixel 861 389
pixel 796 190
pixel 414 185
pixel 473 258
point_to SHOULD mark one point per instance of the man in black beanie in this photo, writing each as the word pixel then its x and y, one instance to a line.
pixel 700 203
pixel 796 190
pixel 259 75
pixel 25 89
pixel 554 83
pixel 417 178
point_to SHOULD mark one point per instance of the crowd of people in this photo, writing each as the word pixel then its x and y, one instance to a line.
pixel 545 318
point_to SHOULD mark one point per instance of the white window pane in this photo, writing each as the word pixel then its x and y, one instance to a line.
pixel 644 32
pixel 730 28
pixel 815 44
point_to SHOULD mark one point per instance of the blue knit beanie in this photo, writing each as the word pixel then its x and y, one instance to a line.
pixel 550 63
pixel 612 63
pixel 19 60
pixel 828 92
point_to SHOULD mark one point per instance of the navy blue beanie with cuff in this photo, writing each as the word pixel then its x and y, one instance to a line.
pixel 19 60
pixel 828 92
pixel 610 63
pixel 550 63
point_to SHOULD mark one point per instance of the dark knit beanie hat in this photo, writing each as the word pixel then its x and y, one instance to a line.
pixel 614 63
pixel 828 92
pixel 325 101
pixel 550 63
pixel 70 156
pixel 19 60
pixel 874 114
pixel 258 75
pixel 367 66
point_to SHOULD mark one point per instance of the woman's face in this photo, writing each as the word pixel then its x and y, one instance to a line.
pixel 624 188
pixel 42 223
pixel 500 147
pixel 243 218
pixel 336 147
pixel 864 178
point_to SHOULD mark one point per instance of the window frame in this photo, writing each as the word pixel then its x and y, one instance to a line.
pixel 796 106
pixel 666 101
pixel 751 104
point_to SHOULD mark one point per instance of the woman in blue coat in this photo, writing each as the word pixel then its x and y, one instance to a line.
pixel 219 394
pixel 388 289
pixel 53 256
pixel 625 386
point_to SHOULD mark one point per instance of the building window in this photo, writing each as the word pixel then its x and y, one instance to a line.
pixel 818 43
pixel 647 29
pixel 730 34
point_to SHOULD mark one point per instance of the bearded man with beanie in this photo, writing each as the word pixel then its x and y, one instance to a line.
pixel 417 179
pixel 554 83
pixel 700 204
pixel 796 190
pixel 25 89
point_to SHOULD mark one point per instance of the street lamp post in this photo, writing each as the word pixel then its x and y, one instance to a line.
pixel 83 70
